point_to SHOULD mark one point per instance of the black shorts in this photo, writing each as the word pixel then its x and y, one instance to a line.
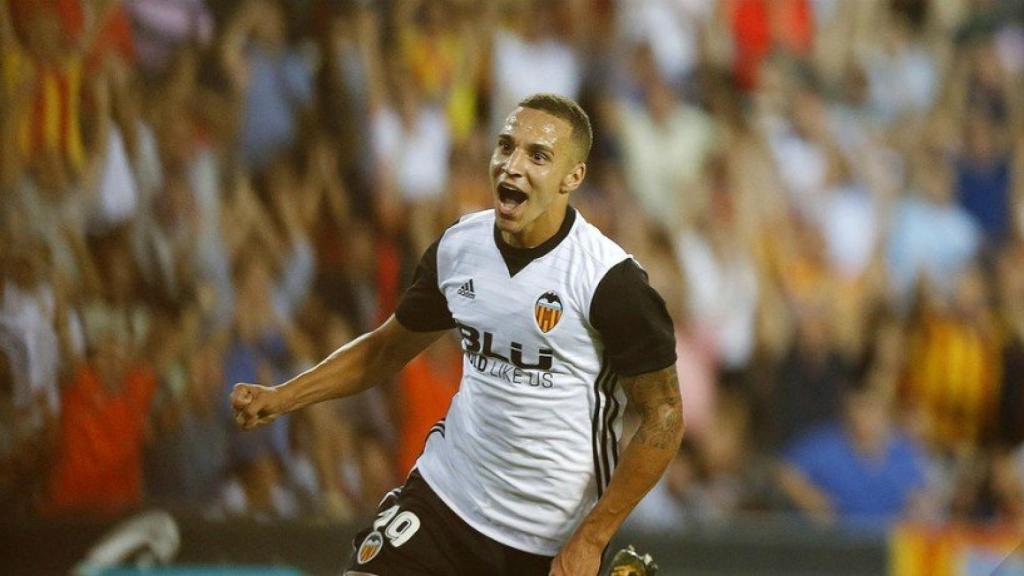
pixel 415 533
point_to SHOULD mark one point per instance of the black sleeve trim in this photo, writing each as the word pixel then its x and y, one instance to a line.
pixel 633 321
pixel 423 308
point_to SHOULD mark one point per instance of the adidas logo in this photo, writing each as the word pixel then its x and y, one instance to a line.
pixel 467 290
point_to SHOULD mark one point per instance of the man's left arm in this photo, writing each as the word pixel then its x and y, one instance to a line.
pixel 636 330
pixel 655 397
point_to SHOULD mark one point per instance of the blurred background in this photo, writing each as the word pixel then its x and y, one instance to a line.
pixel 828 193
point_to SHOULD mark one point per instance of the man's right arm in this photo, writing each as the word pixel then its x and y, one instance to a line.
pixel 363 362
pixel 356 366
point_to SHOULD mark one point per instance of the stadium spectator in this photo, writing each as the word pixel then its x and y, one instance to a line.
pixel 30 318
pixel 849 217
pixel 809 353
pixel 439 45
pixel 721 279
pixel 411 140
pixel 983 177
pixel 273 79
pixel 664 143
pixel 1011 310
pixel 931 239
pixel 673 31
pixel 859 468
pixel 1008 483
pixel 44 78
pixel 530 54
pixel 952 380
pixel 186 457
pixel 426 387
pixel 760 26
pixel 903 75
pixel 98 465
pixel 161 27
pixel 262 347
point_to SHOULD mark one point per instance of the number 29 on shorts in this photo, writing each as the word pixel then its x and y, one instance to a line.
pixel 398 526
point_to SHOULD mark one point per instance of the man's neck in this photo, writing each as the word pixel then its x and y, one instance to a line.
pixel 539 231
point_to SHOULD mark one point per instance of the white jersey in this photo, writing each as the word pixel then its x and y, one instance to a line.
pixel 530 440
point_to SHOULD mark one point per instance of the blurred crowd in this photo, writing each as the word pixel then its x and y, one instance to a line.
pixel 828 193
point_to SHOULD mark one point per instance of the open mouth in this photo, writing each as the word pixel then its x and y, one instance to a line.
pixel 510 198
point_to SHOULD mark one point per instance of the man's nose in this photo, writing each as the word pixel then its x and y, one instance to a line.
pixel 513 164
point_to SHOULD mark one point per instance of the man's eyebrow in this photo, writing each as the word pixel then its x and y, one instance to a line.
pixel 532 147
pixel 538 147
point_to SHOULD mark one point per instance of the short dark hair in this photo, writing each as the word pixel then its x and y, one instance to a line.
pixel 567 109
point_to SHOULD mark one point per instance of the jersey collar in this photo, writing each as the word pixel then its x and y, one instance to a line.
pixel 518 258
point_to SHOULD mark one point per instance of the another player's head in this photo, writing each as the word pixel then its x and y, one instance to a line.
pixel 539 157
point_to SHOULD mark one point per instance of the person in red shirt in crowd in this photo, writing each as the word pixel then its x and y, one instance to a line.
pixel 426 387
pixel 760 27
pixel 98 468
pixel 51 51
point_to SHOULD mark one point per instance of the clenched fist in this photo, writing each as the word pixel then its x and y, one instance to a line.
pixel 255 405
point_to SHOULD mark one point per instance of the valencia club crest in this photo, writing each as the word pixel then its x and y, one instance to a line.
pixel 547 311
pixel 370 547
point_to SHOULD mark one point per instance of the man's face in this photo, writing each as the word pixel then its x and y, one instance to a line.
pixel 867 415
pixel 534 166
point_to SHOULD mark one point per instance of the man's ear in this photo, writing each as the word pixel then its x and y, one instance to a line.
pixel 574 178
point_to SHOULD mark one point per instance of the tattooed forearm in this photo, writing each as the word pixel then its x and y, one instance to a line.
pixel 655 396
